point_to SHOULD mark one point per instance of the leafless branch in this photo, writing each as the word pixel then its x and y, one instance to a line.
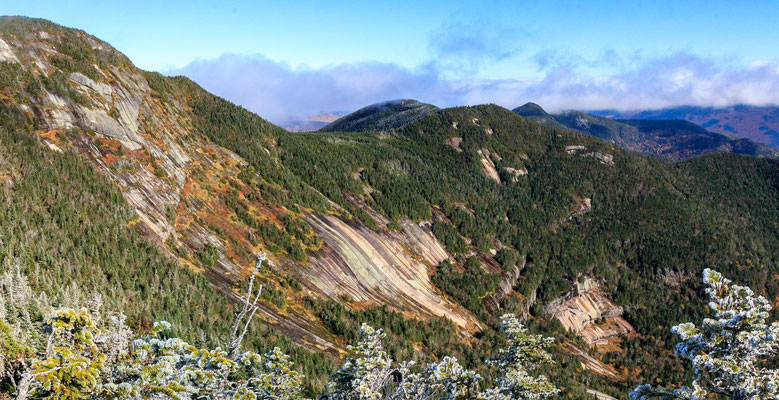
pixel 249 307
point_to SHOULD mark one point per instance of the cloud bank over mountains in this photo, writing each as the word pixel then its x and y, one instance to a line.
pixel 280 92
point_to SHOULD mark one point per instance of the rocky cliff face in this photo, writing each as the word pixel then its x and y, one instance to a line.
pixel 374 268
pixel 508 280
pixel 588 311
pixel 192 197
pixel 146 146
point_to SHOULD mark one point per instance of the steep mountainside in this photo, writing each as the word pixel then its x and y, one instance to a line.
pixel 382 116
pixel 672 139
pixel 139 186
pixel 760 124
pixel 204 206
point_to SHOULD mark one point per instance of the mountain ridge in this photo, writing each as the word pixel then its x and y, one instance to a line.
pixel 669 139
pixel 758 123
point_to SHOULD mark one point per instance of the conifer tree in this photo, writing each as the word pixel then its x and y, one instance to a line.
pixel 732 353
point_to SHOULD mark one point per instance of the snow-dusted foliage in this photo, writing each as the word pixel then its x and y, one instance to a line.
pixel 366 376
pixel 87 353
pixel 68 357
pixel 372 376
pixel 87 357
pixel 80 353
pixel 730 353
pixel 159 366
pixel 524 353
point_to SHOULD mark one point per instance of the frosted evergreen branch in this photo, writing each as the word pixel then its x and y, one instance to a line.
pixel 728 352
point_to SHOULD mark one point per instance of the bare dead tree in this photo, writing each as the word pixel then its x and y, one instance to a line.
pixel 249 308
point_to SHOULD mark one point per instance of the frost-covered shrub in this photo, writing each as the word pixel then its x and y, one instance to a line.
pixel 159 366
pixel 86 353
pixel 73 362
pixel 730 352
pixel 373 376
pixel 89 353
pixel 525 352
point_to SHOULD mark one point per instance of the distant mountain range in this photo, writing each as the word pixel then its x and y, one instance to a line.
pixel 671 139
pixel 760 124
pixel 312 123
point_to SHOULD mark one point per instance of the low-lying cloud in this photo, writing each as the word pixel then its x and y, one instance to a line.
pixel 280 92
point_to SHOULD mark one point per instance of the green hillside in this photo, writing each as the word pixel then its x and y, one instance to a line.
pixel 494 187
pixel 650 220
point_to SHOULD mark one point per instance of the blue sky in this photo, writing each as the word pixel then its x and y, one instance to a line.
pixel 288 59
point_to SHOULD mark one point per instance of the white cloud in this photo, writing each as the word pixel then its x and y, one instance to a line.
pixel 279 92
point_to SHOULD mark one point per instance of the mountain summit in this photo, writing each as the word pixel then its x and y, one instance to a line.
pixel 384 116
